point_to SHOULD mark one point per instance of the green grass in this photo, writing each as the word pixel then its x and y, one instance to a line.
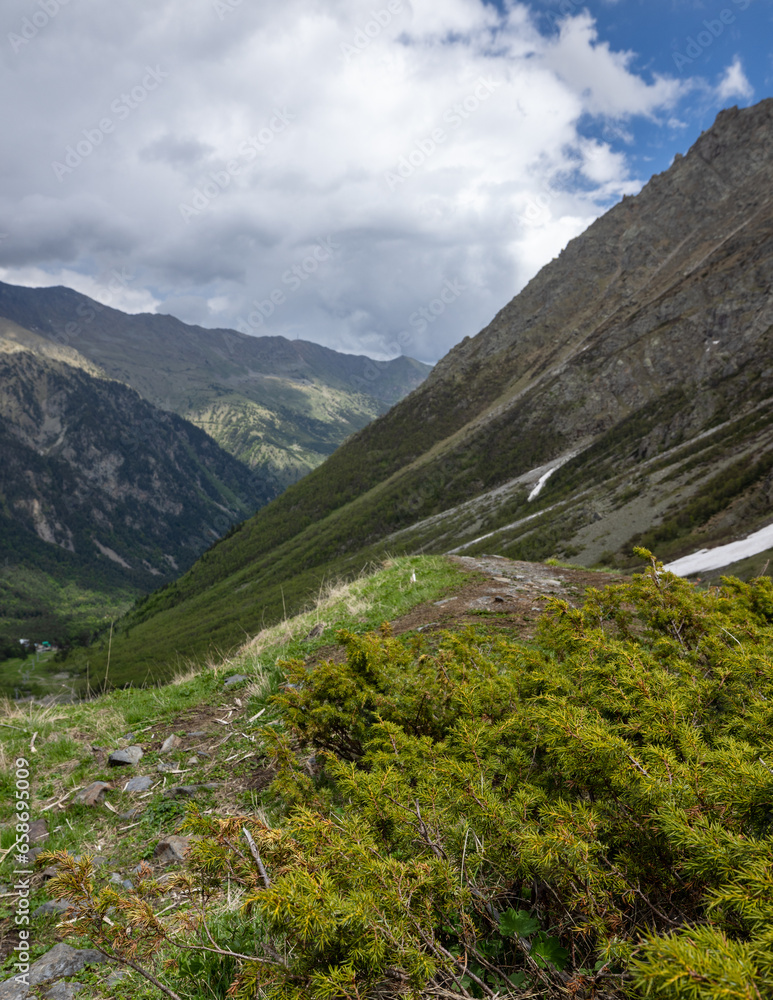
pixel 151 657
pixel 583 785
pixel 65 735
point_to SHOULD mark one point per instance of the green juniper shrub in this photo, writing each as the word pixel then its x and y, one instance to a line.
pixel 590 816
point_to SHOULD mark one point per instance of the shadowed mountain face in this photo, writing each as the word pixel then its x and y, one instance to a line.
pixel 98 488
pixel 280 406
pixel 624 395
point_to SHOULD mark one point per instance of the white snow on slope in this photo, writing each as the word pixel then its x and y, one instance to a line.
pixel 556 465
pixel 708 559
pixel 540 483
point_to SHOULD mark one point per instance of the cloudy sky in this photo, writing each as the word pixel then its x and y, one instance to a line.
pixel 379 177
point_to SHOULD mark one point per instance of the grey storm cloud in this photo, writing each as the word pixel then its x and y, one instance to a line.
pixel 209 148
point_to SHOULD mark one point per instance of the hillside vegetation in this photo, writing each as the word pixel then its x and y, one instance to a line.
pixel 634 368
pixel 451 814
pixel 102 495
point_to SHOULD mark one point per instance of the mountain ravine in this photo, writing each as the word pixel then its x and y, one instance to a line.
pixel 635 368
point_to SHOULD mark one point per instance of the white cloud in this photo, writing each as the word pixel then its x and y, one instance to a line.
pixel 422 154
pixel 734 83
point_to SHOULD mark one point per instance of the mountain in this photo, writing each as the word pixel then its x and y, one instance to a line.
pixel 102 495
pixel 623 396
pixel 280 406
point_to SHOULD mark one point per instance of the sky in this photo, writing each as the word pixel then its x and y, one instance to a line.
pixel 378 177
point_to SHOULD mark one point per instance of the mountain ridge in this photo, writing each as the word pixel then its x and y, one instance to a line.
pixel 100 492
pixel 637 356
pixel 280 406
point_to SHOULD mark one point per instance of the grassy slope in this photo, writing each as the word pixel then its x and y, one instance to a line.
pixel 65 739
pixel 64 758
pixel 335 521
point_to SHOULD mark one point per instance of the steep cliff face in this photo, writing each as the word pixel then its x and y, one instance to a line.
pixel 98 485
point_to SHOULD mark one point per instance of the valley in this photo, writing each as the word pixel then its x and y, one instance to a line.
pixel 635 365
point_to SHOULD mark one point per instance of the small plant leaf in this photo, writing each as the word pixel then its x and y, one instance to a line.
pixel 546 949
pixel 519 922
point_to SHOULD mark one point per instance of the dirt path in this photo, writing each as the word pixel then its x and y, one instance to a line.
pixel 511 596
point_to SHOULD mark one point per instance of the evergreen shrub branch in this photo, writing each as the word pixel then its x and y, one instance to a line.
pixel 589 816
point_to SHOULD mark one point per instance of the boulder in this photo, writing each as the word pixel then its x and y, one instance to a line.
pixel 92 794
pixel 63 991
pixel 38 832
pixel 170 743
pixel 60 961
pixel 52 906
pixel 120 758
pixel 172 849
pixel 139 784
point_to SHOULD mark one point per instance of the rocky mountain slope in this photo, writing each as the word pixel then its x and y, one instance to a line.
pixel 280 406
pixel 99 490
pixel 635 368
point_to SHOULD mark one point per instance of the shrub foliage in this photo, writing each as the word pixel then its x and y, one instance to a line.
pixel 590 815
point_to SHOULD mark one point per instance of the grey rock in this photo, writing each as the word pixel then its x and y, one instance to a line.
pixel 92 794
pixel 170 743
pixel 139 784
pixel 188 791
pixel 11 990
pixel 63 960
pixel 125 883
pixel 131 755
pixel 193 761
pixel 60 961
pixel 236 679
pixel 63 991
pixel 116 977
pixel 38 832
pixel 52 906
pixel 198 732
pixel 180 791
pixel 172 849
pixel 134 813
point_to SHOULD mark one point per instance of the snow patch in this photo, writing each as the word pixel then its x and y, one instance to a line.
pixel 540 483
pixel 723 555
pixel 546 475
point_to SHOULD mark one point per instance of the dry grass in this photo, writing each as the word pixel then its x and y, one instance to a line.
pixel 29 713
pixel 338 595
pixel 183 675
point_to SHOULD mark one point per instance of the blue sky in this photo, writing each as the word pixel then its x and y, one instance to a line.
pixel 673 38
pixel 327 169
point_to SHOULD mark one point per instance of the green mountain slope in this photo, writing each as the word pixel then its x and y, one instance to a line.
pixel 635 368
pixel 102 495
pixel 280 406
